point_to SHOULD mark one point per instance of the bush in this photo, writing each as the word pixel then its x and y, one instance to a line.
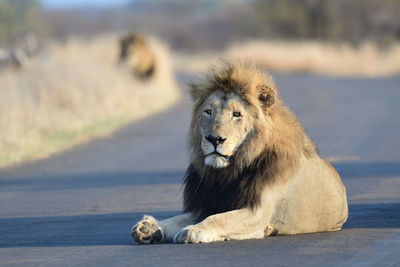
pixel 20 18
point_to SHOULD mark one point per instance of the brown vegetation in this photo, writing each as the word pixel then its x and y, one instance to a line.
pixel 74 92
pixel 328 59
pixel 310 57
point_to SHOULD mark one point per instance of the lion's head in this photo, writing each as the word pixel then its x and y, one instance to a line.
pixel 135 53
pixel 233 109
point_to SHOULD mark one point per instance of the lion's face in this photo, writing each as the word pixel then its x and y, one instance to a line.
pixel 224 124
pixel 232 120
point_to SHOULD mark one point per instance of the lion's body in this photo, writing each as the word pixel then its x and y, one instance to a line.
pixel 136 54
pixel 253 172
pixel 314 200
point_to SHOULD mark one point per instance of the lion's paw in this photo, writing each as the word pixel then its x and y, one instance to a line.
pixel 190 234
pixel 147 231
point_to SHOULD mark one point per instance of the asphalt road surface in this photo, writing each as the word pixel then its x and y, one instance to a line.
pixel 77 207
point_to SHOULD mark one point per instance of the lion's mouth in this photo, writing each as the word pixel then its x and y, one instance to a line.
pixel 218 154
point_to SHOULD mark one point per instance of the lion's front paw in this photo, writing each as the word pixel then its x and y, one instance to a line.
pixel 190 234
pixel 147 231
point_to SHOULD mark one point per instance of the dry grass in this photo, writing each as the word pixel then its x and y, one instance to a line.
pixel 313 57
pixel 74 93
pixel 327 59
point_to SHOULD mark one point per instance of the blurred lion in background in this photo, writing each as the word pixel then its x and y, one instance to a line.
pixel 253 170
pixel 136 54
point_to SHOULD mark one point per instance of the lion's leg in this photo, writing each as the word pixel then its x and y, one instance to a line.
pixel 149 230
pixel 173 225
pixel 232 225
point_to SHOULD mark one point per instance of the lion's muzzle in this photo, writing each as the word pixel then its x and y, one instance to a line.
pixel 213 150
pixel 215 140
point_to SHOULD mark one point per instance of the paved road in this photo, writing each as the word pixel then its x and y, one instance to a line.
pixel 76 208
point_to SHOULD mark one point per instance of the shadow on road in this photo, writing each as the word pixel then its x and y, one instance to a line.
pixel 385 215
pixel 365 170
pixel 113 229
pixel 92 180
pixel 65 231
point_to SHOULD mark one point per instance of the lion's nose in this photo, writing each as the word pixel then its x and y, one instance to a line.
pixel 215 140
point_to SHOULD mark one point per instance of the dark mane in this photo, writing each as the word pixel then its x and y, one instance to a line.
pixel 212 191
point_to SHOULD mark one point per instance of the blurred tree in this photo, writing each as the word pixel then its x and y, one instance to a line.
pixel 209 24
pixel 18 18
pixel 353 21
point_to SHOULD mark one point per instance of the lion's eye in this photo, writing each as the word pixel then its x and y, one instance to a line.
pixel 208 111
pixel 237 114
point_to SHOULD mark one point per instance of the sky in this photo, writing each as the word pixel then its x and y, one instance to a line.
pixel 82 3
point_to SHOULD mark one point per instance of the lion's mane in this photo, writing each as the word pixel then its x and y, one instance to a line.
pixel 146 66
pixel 269 154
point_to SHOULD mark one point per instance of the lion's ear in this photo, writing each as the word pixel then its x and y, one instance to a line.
pixel 266 96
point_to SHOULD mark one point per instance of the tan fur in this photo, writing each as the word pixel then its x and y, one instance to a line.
pixel 302 194
pixel 136 54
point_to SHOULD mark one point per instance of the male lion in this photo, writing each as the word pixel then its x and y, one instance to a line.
pixel 135 53
pixel 253 171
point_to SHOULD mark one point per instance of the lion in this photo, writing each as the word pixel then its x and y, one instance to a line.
pixel 136 54
pixel 253 171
